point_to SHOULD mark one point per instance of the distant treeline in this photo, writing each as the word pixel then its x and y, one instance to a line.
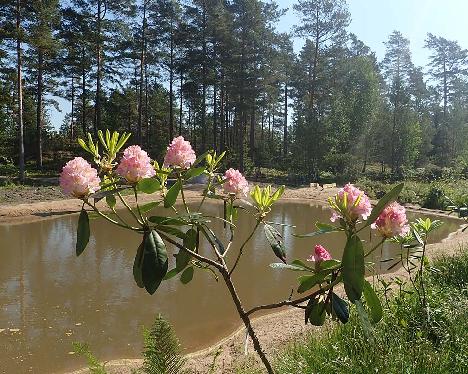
pixel 219 73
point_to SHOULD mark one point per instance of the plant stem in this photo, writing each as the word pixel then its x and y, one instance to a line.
pixel 124 202
pixel 179 179
pixel 112 220
pixel 199 257
pixel 241 249
pixel 138 206
pixel 375 247
pixel 245 318
pixel 294 302
pixel 421 277
pixel 210 178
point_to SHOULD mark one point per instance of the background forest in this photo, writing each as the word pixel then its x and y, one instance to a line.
pixel 220 74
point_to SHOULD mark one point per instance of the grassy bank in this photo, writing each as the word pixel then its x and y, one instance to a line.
pixel 403 342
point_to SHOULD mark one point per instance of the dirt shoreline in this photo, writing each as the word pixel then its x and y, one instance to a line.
pixel 274 330
pixel 39 210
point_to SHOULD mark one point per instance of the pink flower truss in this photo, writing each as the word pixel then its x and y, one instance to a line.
pixel 79 179
pixel 392 221
pixel 235 183
pixel 179 154
pixel 320 254
pixel 135 165
pixel 362 209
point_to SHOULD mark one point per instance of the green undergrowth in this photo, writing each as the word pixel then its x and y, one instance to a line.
pixel 433 195
pixel 403 342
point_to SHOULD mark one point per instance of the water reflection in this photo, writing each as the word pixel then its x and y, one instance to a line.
pixel 54 298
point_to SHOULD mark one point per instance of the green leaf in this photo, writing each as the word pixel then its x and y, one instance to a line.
pixel 323 228
pixel 315 312
pixel 191 239
pixel 171 274
pixel 280 265
pixel 373 302
pixel 279 192
pixel 200 158
pixel 160 220
pixel 383 202
pixel 306 282
pixel 213 239
pixel 195 172
pixel 365 322
pixel 329 264
pixel 172 231
pixel 302 264
pixel 276 242
pixel 138 266
pixel 111 201
pixel 155 263
pixel 353 268
pixel 104 193
pixel 171 196
pixel 83 145
pixel 339 308
pixel 82 232
pixel 149 185
pixel 187 275
pixel 145 208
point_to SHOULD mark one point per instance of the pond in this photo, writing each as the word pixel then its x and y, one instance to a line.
pixel 49 298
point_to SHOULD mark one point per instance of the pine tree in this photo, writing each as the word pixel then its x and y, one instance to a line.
pixel 42 58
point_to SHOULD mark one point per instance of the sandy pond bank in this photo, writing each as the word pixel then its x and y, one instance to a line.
pixel 274 330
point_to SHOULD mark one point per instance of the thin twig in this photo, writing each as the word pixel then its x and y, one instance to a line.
pixel 295 302
pixel 241 249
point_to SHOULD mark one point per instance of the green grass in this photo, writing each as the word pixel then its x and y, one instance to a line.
pixel 403 342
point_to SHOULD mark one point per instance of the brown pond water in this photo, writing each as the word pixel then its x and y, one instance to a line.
pixel 49 298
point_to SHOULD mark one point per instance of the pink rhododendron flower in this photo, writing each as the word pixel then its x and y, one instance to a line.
pixel 357 204
pixel 179 153
pixel 79 179
pixel 320 254
pixel 235 183
pixel 392 221
pixel 135 165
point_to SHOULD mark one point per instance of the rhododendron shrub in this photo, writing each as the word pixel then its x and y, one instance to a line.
pixel 184 226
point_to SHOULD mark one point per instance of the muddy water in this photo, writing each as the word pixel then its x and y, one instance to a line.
pixel 49 298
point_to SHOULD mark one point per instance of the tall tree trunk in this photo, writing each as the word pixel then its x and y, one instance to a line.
pixel 314 64
pixel 97 118
pixel 242 128
pixel 252 134
pixel 262 133
pixel 146 113
pixel 215 116
pixel 222 118
pixel 445 91
pixel 20 91
pixel 181 93
pixel 171 84
pixel 83 94
pixel 285 123
pixel 204 74
pixel 142 70
pixel 39 109
pixel 72 114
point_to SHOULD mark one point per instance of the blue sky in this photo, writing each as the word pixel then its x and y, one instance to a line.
pixel 373 20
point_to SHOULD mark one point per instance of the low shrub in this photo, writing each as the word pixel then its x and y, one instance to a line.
pixel 404 342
